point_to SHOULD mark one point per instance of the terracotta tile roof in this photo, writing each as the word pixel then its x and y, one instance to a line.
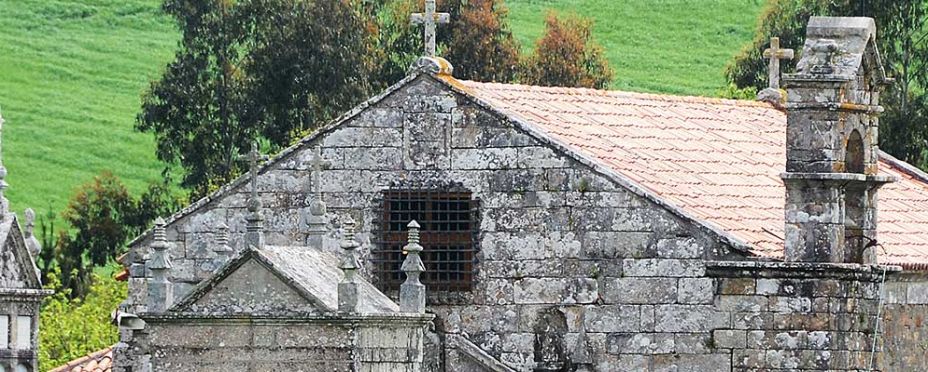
pixel 100 361
pixel 717 160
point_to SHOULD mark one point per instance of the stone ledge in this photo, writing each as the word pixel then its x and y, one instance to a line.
pixel 779 269
pixel 393 320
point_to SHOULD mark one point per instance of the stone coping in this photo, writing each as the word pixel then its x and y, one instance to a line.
pixel 799 270
pixel 798 176
pixel 26 292
pixel 392 319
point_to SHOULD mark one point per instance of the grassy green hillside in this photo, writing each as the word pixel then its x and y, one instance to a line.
pixel 71 74
pixel 72 71
pixel 663 46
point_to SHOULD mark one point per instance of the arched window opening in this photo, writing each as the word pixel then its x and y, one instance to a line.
pixel 854 157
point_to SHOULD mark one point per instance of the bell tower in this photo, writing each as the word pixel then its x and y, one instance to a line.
pixel 832 158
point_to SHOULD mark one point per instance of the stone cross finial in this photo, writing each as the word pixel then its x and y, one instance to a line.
pixel 254 236
pixel 30 222
pixel 253 157
pixel 430 20
pixel 160 293
pixel 316 219
pixel 222 247
pixel 348 287
pixel 775 54
pixel 29 233
pixel 412 291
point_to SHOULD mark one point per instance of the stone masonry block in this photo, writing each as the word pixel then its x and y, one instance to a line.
pixel 663 268
pixel 679 248
pixel 612 318
pixel 640 343
pixel 696 291
pixel 690 318
pixel 729 338
pixel 640 290
pixel 736 286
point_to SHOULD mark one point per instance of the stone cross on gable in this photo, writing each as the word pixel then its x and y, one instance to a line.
pixel 430 19
pixel 775 54
pixel 253 157
pixel 317 163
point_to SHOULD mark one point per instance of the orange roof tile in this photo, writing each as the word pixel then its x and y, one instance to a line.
pixel 718 160
pixel 99 361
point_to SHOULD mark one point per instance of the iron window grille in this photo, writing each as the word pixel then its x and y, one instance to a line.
pixel 449 224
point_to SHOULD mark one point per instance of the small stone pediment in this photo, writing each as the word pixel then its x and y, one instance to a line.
pixel 277 282
pixel 252 289
pixel 17 268
pixel 839 47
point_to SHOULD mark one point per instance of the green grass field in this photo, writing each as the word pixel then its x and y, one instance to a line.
pixel 71 76
pixel 661 46
pixel 72 72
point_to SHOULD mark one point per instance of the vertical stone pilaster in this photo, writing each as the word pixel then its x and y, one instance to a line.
pixel 160 290
pixel 348 287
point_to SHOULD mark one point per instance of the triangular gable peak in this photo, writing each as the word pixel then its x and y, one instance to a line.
pixel 249 284
pixel 17 267
pixel 277 282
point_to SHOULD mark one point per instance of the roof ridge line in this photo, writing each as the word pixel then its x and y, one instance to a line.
pixel 644 95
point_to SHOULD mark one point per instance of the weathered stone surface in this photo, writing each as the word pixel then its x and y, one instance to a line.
pixel 640 290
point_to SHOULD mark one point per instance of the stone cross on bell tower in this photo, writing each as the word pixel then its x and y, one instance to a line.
pixel 254 235
pixel 430 19
pixel 775 54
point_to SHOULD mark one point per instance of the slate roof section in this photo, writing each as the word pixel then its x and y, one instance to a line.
pixel 99 361
pixel 718 160
pixel 310 271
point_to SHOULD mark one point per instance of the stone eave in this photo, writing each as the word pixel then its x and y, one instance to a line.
pixel 236 262
pixel 814 270
pixel 34 294
pixel 391 319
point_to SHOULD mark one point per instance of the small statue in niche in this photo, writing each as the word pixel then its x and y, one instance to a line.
pixel 550 353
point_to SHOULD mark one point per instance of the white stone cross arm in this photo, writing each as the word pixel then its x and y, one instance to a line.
pixel 430 19
pixel 775 54
pixel 317 164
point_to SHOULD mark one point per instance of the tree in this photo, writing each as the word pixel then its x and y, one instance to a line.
pixel 481 46
pixel 102 215
pixel 74 327
pixel 567 56
pixel 902 42
pixel 194 109
pixel 270 68
pixel 307 61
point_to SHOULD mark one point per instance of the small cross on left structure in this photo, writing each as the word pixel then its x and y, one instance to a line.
pixel 254 236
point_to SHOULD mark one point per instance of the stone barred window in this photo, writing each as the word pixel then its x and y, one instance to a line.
pixel 448 220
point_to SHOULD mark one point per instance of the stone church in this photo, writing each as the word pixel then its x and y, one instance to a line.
pixel 449 225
